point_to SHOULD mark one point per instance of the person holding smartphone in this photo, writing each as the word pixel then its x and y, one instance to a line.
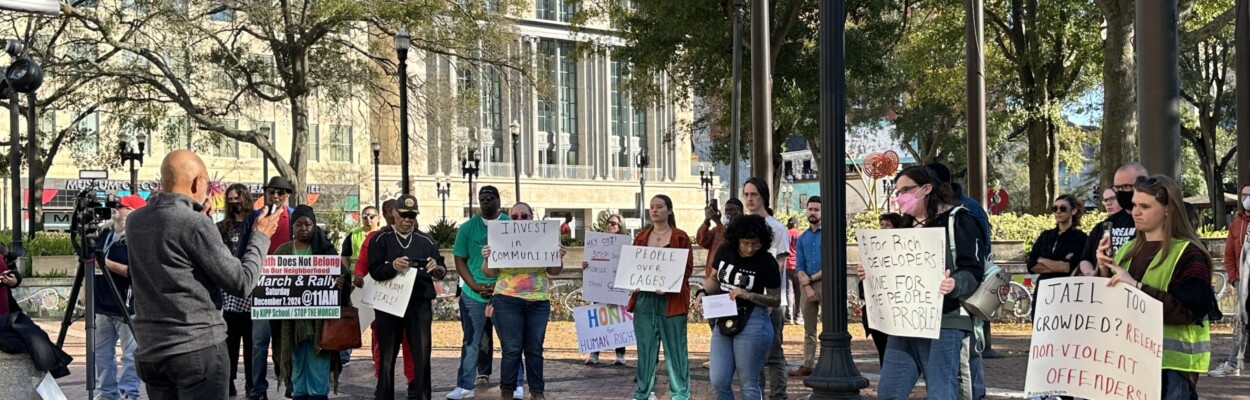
pixel 1122 227
pixel 277 193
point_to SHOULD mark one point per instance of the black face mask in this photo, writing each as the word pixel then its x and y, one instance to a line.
pixel 1125 199
pixel 234 208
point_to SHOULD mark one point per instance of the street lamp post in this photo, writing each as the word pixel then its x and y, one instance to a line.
pixel 377 153
pixel 469 168
pixel 129 154
pixel 735 145
pixel 642 183
pixel 705 179
pixel 444 191
pixel 402 41
pixel 515 128
pixel 265 131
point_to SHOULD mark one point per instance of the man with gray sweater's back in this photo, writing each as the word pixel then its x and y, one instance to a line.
pixel 179 268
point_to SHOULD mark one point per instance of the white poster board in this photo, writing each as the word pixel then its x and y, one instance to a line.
pixel 602 255
pixel 652 268
pixel 1095 342
pixel 363 313
pixel 902 271
pixel 523 244
pixel 719 305
pixel 603 327
pixel 390 296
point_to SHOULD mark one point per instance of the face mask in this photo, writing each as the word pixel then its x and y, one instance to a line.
pixel 907 203
pixel 1125 199
pixel 1245 203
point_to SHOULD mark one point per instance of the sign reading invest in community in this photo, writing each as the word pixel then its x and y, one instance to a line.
pixel 602 255
pixel 651 268
pixel 523 244
pixel 297 287
pixel 1095 342
pixel 902 271
pixel 603 327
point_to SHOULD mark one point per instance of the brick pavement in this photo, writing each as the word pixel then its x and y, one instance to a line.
pixel 568 378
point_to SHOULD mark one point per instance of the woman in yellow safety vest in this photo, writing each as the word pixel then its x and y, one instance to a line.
pixel 1168 262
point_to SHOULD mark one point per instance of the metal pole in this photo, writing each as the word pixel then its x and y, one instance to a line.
pixel 761 92
pixel 1242 40
pixel 33 166
pixel 377 190
pixel 974 30
pixel 406 183
pixel 134 178
pixel 835 376
pixel 735 133
pixel 516 166
pixel 1158 88
pixel 15 173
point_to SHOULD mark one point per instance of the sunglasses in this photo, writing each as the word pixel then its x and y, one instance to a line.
pixel 408 215
pixel 520 216
pixel 613 223
pixel 1062 209
pixel 369 216
pixel 1152 185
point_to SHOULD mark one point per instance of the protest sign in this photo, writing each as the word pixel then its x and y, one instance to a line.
pixel 602 255
pixel 297 287
pixel 902 271
pixel 719 305
pixel 651 268
pixel 1093 341
pixel 390 296
pixel 364 315
pixel 524 244
pixel 603 327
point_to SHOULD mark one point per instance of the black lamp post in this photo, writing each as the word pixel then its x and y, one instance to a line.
pixel 444 191
pixel 128 154
pixel 735 133
pixel 515 128
pixel 377 152
pixel 402 41
pixel 25 76
pixel 469 168
pixel 705 180
pixel 642 183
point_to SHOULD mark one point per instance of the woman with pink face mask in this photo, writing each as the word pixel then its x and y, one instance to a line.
pixel 931 204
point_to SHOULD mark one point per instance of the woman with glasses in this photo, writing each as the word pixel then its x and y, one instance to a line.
pixel 1167 261
pixel 740 344
pixel 521 311
pixel 1054 250
pixel 613 225
pixel 659 317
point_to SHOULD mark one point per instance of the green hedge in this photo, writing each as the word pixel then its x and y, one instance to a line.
pixel 45 244
pixel 1007 227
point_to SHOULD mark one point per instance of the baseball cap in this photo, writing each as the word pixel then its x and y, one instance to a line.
pixel 406 203
pixel 488 189
pixel 132 201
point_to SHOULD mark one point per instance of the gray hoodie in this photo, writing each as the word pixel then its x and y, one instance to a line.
pixel 179 267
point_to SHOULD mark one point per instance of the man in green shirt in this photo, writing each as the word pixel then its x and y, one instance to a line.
pixel 476 289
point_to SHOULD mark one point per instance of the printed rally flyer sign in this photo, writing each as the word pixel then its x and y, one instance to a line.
pixel 297 287
pixel 603 327
pixel 1095 342
pixel 902 271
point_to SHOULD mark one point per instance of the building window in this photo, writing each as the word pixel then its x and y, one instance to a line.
pixel 491 99
pixel 546 9
pixel 225 15
pixel 567 88
pixel 314 142
pixel 88 133
pixel 567 10
pixel 546 103
pixel 135 6
pixel 83 51
pixel 132 59
pixel 176 133
pixel 340 143
pixel 225 147
pixel 557 61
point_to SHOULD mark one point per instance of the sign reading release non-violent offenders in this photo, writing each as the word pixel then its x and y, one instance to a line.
pixel 1095 342
pixel 297 287
pixel 523 244
pixel 651 268
pixel 902 271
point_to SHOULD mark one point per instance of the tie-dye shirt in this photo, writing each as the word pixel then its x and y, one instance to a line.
pixel 524 283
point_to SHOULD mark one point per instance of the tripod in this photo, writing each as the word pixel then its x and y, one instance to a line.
pixel 84 225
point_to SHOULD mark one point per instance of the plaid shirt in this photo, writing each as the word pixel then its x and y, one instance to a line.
pixel 235 304
pixel 230 235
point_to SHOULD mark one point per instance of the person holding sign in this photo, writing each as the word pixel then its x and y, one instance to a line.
pixel 750 276
pixel 406 250
pixel 522 309
pixel 307 367
pixel 660 317
pixel 362 267
pixel 1167 261
pixel 613 226
pixel 476 349
pixel 922 196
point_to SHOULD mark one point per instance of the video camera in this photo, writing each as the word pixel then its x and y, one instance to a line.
pixel 90 210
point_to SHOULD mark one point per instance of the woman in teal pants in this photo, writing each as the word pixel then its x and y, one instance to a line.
pixel 660 317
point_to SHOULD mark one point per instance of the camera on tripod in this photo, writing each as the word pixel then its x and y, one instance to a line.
pixel 90 210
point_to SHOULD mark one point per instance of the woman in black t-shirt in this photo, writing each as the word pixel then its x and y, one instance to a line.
pixel 1053 251
pixel 752 278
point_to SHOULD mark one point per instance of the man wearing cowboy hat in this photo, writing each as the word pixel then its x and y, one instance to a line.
pixel 277 192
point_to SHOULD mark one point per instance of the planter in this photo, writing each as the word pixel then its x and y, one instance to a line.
pixel 16 377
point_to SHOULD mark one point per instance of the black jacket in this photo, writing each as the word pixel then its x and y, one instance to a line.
pixel 18 334
pixel 419 247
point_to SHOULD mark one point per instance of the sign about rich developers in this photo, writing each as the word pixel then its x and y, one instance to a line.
pixel 297 287
pixel 651 268
pixel 902 271
pixel 602 255
pixel 603 327
pixel 523 244
pixel 1095 342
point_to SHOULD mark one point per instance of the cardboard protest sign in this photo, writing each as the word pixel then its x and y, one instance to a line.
pixel 523 244
pixel 297 287
pixel 902 271
pixel 602 255
pixel 1096 342
pixel 603 327
pixel 651 268
pixel 389 296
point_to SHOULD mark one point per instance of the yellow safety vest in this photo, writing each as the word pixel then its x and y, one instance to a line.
pixel 1185 347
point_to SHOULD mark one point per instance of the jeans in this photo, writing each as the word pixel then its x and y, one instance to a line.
pixel 415 325
pixel 486 349
pixel 971 370
pixel 310 371
pixel 744 354
pixel 522 327
pixel 776 362
pixel 653 327
pixel 198 375
pixel 472 322
pixel 906 357
pixel 109 331
pixel 1176 387
pixel 1237 354
pixel 239 334
pixel 260 359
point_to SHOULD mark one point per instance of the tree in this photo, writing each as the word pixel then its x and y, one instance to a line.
pixel 1119 86
pixel 1206 61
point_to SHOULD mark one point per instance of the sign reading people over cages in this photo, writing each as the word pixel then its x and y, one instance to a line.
pixel 297 287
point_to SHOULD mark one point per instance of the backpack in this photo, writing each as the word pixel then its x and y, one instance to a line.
pixel 985 301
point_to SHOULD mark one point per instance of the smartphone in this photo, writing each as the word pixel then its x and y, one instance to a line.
pixel 1107 226
pixel 273 208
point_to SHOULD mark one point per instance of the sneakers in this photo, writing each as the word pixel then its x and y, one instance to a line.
pixel 802 371
pixel 483 379
pixel 1225 369
pixel 707 364
pixel 620 360
pixel 593 359
pixel 519 393
pixel 460 393
pixel 652 396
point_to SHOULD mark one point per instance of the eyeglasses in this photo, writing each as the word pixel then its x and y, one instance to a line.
pixel 905 189
pixel 487 197
pixel 522 216
pixel 1062 209
pixel 408 215
pixel 750 244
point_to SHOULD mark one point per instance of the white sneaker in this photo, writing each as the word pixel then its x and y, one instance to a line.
pixel 460 393
pixel 1225 369
pixel 519 393
pixel 652 396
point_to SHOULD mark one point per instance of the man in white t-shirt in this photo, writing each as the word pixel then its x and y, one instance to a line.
pixel 756 197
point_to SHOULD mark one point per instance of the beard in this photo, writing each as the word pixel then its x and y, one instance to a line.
pixel 813 221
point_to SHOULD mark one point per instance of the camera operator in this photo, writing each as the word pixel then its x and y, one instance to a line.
pixel 180 268
pixel 110 321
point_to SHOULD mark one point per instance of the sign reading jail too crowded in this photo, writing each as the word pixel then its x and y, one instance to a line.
pixel 902 271
pixel 297 287
pixel 1095 342
pixel 523 244
pixel 651 268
